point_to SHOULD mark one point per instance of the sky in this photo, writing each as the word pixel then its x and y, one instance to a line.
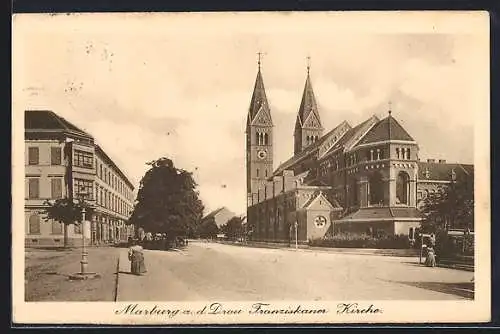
pixel 179 86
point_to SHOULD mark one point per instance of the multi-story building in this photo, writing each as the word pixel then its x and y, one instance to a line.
pixel 61 160
pixel 365 178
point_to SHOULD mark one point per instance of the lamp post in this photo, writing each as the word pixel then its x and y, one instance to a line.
pixel 296 235
pixel 84 273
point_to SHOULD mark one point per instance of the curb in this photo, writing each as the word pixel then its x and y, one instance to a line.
pixel 319 249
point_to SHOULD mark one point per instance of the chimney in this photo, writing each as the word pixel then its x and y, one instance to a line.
pixel 442 161
pixel 431 160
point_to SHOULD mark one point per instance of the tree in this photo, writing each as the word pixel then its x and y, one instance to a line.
pixel 233 229
pixel 208 228
pixel 66 212
pixel 167 201
pixel 450 207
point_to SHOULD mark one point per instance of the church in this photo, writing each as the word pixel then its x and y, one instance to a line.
pixel 354 178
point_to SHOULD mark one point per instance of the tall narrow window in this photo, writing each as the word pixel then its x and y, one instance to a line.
pixel 266 172
pixel 408 154
pixel 33 188
pixel 34 224
pixel 397 153
pixel 56 188
pixel 371 155
pixel 378 154
pixel 402 188
pixel 57 227
pixel 33 156
pixel 55 155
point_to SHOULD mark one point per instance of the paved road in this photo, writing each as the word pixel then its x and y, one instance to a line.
pixel 211 271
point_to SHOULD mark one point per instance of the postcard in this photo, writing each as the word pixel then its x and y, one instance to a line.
pixel 251 168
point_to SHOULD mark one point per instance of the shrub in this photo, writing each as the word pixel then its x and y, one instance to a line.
pixel 352 240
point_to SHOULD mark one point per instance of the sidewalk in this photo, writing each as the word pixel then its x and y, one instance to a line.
pixel 306 248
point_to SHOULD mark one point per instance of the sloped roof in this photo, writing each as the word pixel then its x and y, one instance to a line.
pixel 259 98
pixel 306 152
pixel 382 213
pixel 440 171
pixel 308 104
pixel 49 120
pixel 350 134
pixel 386 129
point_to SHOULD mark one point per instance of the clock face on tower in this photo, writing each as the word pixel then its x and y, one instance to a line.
pixel 261 154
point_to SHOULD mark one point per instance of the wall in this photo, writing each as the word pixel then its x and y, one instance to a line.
pixel 314 232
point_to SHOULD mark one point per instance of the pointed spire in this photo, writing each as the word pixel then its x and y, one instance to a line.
pixel 308 103
pixel 259 98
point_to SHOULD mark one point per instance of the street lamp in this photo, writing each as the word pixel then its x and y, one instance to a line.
pixel 296 235
pixel 83 274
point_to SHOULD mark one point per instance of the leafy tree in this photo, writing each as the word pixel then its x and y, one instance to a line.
pixel 65 211
pixel 167 201
pixel 450 207
pixel 208 228
pixel 233 229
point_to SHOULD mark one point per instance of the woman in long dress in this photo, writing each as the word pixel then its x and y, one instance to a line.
pixel 136 257
pixel 430 261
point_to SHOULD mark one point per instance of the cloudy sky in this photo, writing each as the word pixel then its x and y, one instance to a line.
pixel 180 86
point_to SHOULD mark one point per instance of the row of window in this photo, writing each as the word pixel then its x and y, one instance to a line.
pixel 83 159
pixel 261 138
pixel 112 202
pixel 34 225
pixel 311 139
pixel 403 153
pixel 34 156
pixel 112 180
pixel 56 186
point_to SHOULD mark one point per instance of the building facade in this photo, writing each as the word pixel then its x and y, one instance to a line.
pixel 361 179
pixel 62 161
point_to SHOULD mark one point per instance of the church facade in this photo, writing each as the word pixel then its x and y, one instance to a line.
pixel 361 178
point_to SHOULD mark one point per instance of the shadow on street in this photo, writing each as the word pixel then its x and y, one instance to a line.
pixel 465 290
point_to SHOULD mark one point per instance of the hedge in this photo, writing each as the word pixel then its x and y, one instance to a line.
pixel 348 240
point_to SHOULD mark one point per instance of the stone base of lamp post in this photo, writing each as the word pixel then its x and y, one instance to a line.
pixel 83 274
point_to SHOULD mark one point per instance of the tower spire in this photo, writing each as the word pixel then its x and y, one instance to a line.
pixel 389 119
pixel 308 64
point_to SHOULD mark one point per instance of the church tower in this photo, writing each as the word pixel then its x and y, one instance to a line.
pixel 259 136
pixel 308 128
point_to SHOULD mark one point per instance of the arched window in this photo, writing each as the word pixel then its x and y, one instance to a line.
pixel 375 189
pixel 266 139
pixel 34 224
pixel 57 227
pixel 402 188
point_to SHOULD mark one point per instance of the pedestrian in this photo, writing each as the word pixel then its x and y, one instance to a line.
pixel 430 260
pixel 136 258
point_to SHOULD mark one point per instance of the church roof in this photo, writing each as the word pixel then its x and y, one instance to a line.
pixel 382 213
pixel 441 171
pixel 386 129
pixel 306 152
pixel 351 134
pixel 47 120
pixel 259 98
pixel 308 104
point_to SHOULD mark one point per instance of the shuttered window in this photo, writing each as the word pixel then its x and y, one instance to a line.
pixel 33 188
pixel 56 188
pixel 34 224
pixel 33 156
pixel 55 155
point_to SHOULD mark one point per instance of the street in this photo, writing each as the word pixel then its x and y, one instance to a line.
pixel 212 271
